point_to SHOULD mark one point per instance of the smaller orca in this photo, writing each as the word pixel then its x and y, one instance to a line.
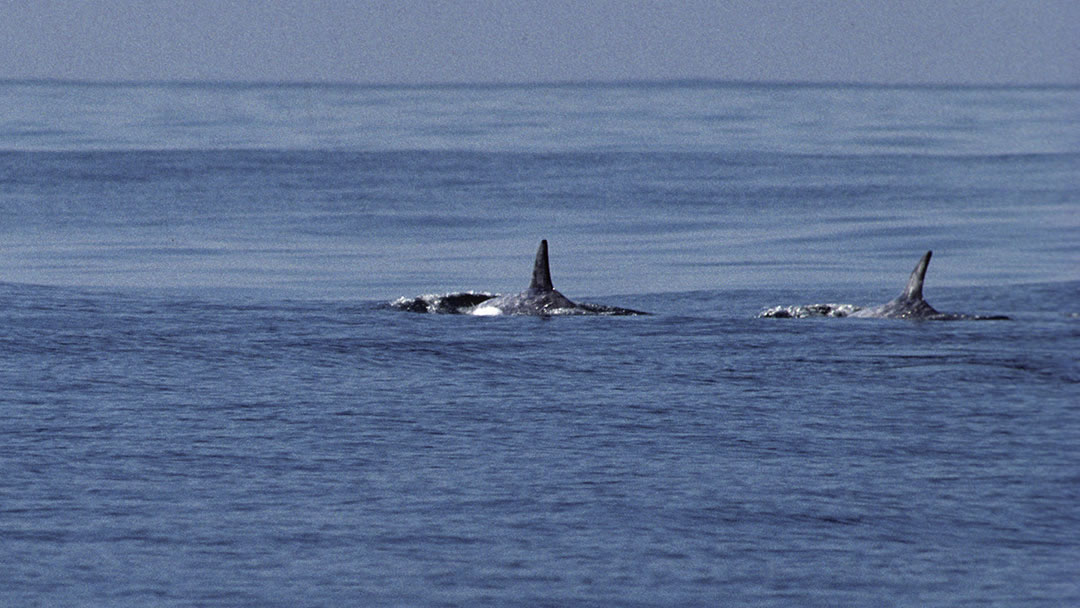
pixel 910 303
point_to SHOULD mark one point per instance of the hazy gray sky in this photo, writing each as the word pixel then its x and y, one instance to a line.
pixel 402 41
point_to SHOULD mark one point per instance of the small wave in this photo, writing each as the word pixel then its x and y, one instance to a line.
pixel 809 310
pixel 966 317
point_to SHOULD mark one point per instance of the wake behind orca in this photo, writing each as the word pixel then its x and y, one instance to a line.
pixel 908 305
pixel 539 299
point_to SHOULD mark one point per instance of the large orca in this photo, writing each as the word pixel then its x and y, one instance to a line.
pixel 541 298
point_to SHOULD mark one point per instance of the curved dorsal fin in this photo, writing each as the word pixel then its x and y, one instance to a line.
pixel 541 278
pixel 913 291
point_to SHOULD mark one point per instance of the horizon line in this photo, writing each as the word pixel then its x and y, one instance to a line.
pixel 568 83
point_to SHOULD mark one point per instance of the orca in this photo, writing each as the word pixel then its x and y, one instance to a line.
pixel 541 298
pixel 910 303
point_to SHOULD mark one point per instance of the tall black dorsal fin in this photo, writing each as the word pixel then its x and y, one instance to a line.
pixel 541 278
pixel 913 291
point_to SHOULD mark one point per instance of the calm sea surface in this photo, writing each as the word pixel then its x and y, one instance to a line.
pixel 206 398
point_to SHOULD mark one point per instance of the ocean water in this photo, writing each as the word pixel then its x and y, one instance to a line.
pixel 207 398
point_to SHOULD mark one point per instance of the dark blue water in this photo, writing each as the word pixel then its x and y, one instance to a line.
pixel 206 399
